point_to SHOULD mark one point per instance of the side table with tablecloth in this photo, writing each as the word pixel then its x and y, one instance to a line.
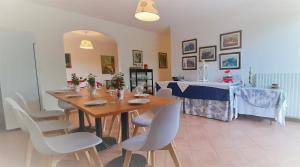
pixel 268 103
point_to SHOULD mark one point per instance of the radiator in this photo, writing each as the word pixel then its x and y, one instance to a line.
pixel 289 83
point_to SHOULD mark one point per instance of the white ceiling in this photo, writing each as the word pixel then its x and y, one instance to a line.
pixel 171 11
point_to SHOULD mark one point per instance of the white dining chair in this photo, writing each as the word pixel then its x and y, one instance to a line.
pixel 58 146
pixel 46 127
pixel 38 115
pixel 145 119
pixel 162 132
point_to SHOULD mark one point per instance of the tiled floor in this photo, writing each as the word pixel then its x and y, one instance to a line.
pixel 201 142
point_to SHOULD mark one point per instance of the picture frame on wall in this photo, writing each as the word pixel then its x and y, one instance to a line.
pixel 68 60
pixel 163 60
pixel 230 60
pixel 189 46
pixel 231 40
pixel 108 64
pixel 137 58
pixel 208 53
pixel 189 63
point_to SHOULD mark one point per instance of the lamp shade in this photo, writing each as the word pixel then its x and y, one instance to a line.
pixel 86 44
pixel 147 11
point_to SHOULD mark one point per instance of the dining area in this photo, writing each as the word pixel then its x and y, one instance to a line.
pixel 53 135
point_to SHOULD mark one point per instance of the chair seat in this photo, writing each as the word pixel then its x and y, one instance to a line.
pixel 143 120
pixel 47 114
pixel 73 142
pixel 53 125
pixel 135 143
pixel 65 106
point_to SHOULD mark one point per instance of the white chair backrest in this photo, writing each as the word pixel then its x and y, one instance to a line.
pixel 64 105
pixel 36 135
pixel 164 127
pixel 166 92
pixel 12 105
pixel 23 103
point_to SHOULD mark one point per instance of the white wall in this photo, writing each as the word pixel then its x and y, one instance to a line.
pixel 86 61
pixel 271 33
pixel 48 26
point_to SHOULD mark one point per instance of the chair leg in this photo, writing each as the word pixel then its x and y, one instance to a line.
pixel 135 130
pixel 29 154
pixel 77 156
pixel 104 124
pixel 88 119
pixel 127 159
pixel 54 161
pixel 120 133
pixel 152 158
pixel 111 124
pixel 174 156
pixel 94 155
pixel 149 158
pixel 88 158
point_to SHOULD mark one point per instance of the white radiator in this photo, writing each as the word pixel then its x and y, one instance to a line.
pixel 289 83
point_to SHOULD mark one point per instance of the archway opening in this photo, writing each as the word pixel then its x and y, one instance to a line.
pixel 90 52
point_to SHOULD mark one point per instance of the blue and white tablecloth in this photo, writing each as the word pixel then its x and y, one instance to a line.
pixel 209 99
pixel 269 103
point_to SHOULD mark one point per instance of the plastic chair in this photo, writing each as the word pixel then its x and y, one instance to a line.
pixel 46 126
pixel 144 120
pixel 162 132
pixel 38 115
pixel 56 147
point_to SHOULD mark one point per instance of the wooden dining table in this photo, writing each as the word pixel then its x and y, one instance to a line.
pixel 113 106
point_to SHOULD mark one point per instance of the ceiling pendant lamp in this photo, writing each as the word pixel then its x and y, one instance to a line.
pixel 147 11
pixel 86 44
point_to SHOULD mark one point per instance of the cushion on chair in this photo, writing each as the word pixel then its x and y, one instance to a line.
pixel 73 142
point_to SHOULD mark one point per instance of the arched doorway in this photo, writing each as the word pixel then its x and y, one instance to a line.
pixel 90 52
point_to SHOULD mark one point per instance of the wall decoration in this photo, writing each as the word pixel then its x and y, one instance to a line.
pixel 68 60
pixel 230 60
pixel 208 53
pixel 189 63
pixel 231 40
pixel 137 58
pixel 108 64
pixel 189 46
pixel 163 60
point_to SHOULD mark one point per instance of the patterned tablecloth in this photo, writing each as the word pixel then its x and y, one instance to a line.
pixel 261 102
pixel 209 99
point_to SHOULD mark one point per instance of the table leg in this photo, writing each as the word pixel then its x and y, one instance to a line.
pixel 107 142
pixel 183 105
pixel 82 127
pixel 137 160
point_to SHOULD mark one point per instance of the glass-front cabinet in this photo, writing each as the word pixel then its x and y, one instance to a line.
pixel 142 77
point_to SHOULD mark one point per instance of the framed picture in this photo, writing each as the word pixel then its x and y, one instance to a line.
pixel 108 64
pixel 68 60
pixel 189 46
pixel 189 63
pixel 137 58
pixel 163 60
pixel 231 40
pixel 230 60
pixel 208 53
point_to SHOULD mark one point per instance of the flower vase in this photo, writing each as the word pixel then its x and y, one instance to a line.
pixel 120 94
pixel 77 88
pixel 92 91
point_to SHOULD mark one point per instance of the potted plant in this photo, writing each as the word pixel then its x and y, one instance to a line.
pixel 76 82
pixel 92 84
pixel 118 83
